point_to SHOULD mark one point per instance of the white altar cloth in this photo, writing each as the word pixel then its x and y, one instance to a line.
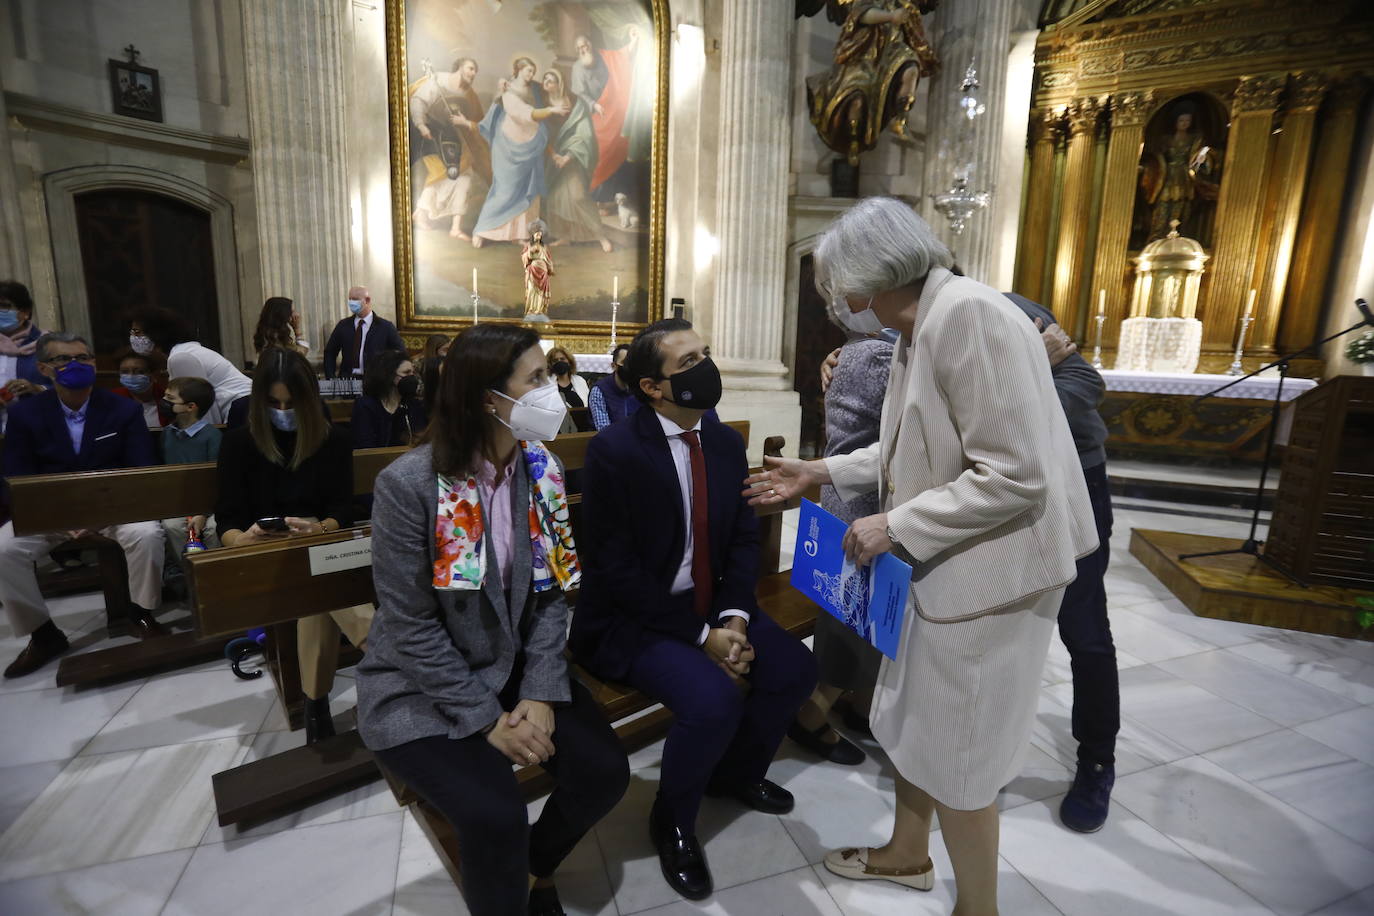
pixel 1260 388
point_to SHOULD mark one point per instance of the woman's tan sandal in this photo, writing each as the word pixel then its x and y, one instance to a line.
pixel 853 863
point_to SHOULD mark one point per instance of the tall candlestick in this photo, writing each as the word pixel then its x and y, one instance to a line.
pixel 1240 342
pixel 615 288
pixel 1101 302
pixel 1250 304
pixel 1097 345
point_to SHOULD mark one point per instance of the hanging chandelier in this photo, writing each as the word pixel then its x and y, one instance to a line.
pixel 960 202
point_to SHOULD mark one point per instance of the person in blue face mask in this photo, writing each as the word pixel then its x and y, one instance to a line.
pixel 288 464
pixel 74 427
pixel 140 379
pixel 19 372
pixel 360 337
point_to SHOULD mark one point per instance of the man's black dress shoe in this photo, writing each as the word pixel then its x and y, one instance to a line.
pixel 764 795
pixel 45 644
pixel 144 624
pixel 544 902
pixel 680 856
pixel 841 752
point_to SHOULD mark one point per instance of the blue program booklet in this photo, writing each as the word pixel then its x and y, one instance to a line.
pixel 870 600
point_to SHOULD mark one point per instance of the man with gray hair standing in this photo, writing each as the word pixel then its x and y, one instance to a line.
pixel 74 427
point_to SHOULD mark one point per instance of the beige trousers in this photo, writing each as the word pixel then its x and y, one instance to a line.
pixel 317 645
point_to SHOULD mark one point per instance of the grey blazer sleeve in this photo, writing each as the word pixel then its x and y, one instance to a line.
pixel 546 670
pixel 403 577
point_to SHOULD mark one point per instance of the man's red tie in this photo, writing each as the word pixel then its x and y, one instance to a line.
pixel 701 529
pixel 358 345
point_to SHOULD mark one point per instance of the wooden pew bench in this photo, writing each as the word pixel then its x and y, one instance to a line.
pixel 274 581
pixel 95 499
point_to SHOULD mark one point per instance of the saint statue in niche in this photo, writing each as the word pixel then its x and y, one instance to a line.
pixel 534 257
pixel 881 54
pixel 1180 176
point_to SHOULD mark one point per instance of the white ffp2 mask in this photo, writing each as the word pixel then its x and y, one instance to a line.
pixel 537 414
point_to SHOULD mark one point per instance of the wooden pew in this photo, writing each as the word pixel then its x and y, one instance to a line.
pixel 225 583
pixel 95 499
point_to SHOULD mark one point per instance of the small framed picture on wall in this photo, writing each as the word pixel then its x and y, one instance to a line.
pixel 135 90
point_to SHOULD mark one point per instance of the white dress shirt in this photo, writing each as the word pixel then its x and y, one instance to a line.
pixel 682 463
pixel 192 359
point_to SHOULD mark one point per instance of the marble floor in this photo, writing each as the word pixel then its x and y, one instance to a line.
pixel 1245 786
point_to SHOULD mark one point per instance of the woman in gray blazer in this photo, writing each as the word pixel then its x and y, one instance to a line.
pixel 465 674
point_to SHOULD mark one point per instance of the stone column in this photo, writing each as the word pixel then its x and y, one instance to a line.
pixel 977 31
pixel 1071 255
pixel 297 92
pixel 751 221
pixel 1321 214
pixel 1305 93
pixel 1243 187
pixel 1046 133
pixel 14 253
pixel 1110 269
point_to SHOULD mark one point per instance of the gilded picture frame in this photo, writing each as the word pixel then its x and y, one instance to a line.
pixel 571 133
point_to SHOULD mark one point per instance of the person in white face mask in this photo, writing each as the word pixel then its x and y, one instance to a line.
pixel 472 552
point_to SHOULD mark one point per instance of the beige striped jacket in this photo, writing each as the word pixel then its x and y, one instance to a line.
pixel 975 463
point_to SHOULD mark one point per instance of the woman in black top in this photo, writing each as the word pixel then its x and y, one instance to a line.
pixel 390 411
pixel 289 464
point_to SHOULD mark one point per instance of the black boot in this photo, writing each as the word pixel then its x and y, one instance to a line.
pixel 319 724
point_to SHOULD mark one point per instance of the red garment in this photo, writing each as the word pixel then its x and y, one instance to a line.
pixel 611 143
pixel 158 390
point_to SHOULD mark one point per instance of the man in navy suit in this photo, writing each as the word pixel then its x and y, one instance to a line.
pixel 74 427
pixel 671 553
pixel 359 337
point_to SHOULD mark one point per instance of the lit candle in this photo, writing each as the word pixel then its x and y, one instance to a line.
pixel 1250 303
pixel 615 287
pixel 1101 302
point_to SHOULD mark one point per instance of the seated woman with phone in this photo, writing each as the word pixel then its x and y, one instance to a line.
pixel 288 473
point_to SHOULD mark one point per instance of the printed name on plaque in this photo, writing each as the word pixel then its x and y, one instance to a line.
pixel 332 558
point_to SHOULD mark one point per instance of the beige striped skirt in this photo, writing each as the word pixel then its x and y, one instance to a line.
pixel 955 711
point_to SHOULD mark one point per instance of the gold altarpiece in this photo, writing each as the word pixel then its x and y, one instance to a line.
pixel 1291 80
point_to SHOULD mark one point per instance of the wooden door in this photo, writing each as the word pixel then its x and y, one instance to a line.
pixel 141 248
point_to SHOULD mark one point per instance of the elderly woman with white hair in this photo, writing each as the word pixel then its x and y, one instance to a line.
pixel 980 489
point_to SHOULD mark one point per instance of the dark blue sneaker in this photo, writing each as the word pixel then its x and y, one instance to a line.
pixel 1084 809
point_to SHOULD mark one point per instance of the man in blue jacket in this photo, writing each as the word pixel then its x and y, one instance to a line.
pixel 667 603
pixel 74 427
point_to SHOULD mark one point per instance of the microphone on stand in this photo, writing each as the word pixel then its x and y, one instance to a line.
pixel 1365 312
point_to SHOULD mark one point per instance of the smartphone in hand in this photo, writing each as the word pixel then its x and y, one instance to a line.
pixel 276 524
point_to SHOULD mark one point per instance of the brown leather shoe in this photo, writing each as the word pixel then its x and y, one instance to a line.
pixel 144 625
pixel 37 653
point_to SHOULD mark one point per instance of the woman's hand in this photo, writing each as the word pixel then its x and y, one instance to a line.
pixel 782 479
pixel 866 539
pixel 536 712
pixel 303 526
pixel 828 369
pixel 522 743
pixel 256 535
pixel 199 522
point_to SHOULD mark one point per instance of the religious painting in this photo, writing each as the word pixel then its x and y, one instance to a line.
pixel 528 164
pixel 1180 171
pixel 135 90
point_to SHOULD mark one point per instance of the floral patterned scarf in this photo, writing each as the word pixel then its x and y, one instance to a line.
pixel 461 563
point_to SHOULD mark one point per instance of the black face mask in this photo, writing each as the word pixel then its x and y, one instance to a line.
pixel 562 367
pixel 408 386
pixel 167 406
pixel 698 387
